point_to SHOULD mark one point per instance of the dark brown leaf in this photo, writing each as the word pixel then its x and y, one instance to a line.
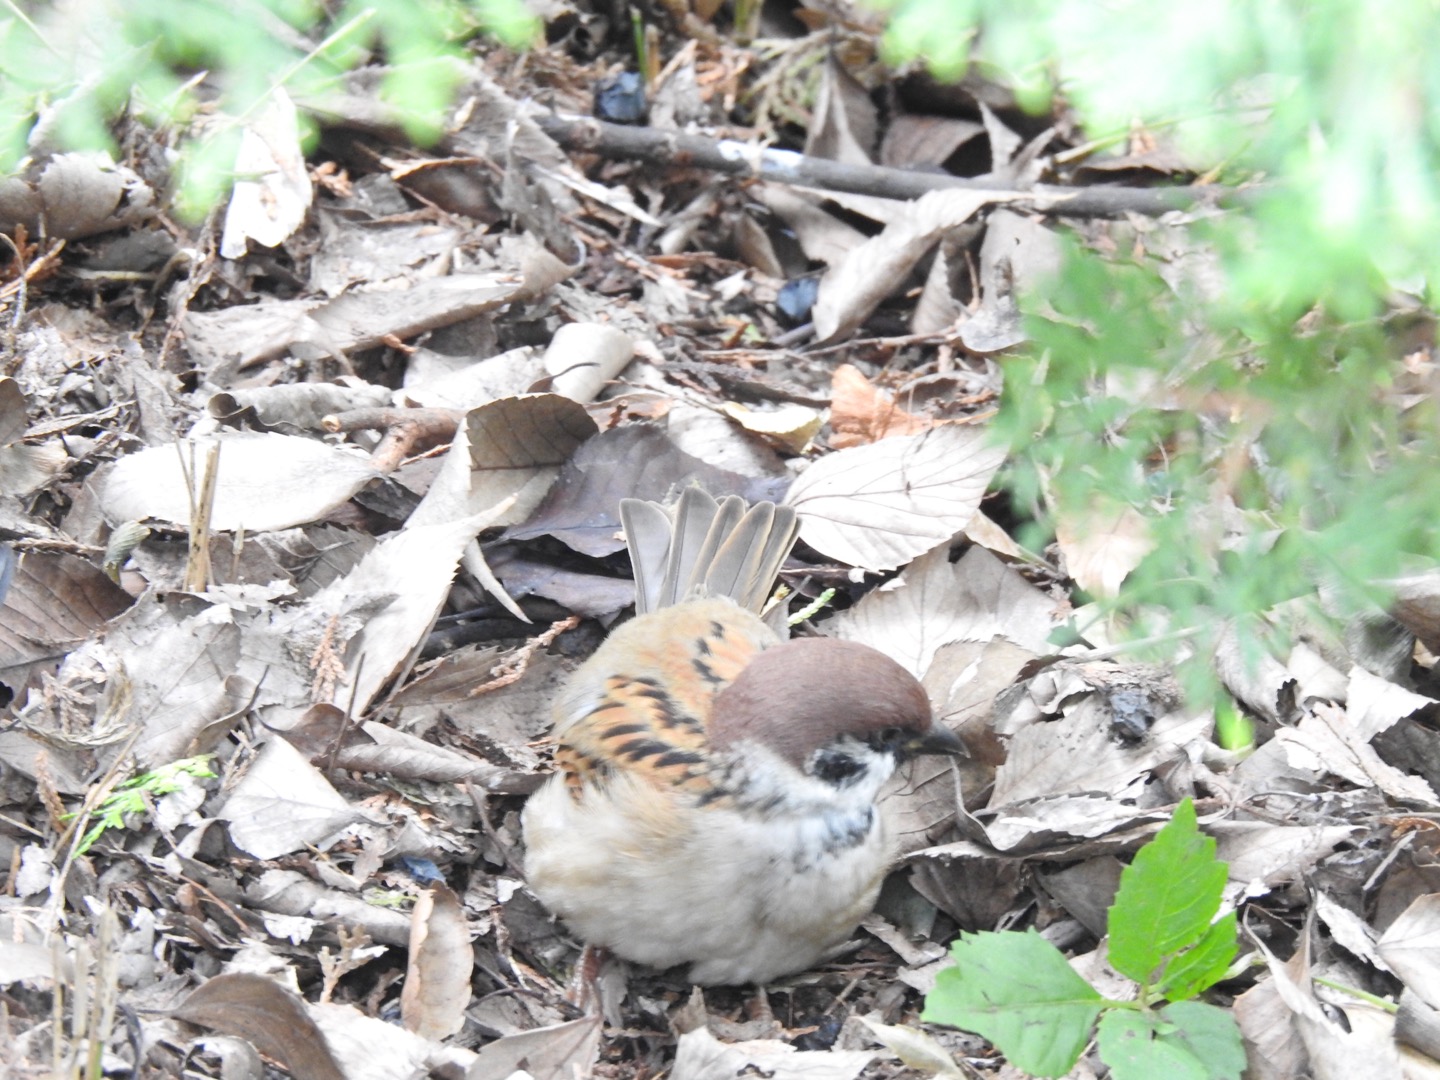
pixel 269 1016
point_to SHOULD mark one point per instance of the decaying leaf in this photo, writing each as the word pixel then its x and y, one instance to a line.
pixel 284 804
pixel 265 481
pixel 878 506
pixel 267 1015
pixel 437 980
pixel 860 413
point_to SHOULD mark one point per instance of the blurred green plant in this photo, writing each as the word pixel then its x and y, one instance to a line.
pixel 134 796
pixel 69 68
pixel 1260 398
pixel 1019 991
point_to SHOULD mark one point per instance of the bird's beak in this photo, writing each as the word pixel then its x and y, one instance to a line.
pixel 938 740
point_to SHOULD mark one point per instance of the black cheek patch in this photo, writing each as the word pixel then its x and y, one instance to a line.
pixel 835 767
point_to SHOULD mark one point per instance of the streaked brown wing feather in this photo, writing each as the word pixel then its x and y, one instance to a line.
pixel 642 701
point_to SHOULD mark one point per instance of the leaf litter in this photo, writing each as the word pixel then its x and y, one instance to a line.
pixel 426 418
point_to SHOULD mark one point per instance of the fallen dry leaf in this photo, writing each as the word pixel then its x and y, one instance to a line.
pixel 860 413
pixel 876 507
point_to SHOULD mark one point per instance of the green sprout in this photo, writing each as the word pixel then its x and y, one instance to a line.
pixel 132 796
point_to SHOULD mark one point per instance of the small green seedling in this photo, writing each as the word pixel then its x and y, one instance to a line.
pixel 1018 990
pixel 1233 729
pixel 130 796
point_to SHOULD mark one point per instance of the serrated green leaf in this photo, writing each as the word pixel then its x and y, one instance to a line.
pixel 1209 1033
pixel 1203 966
pixel 1167 897
pixel 1132 1045
pixel 1018 991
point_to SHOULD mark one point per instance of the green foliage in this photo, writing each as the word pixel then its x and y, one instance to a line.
pixel 1265 377
pixel 67 71
pixel 134 795
pixel 1233 729
pixel 1352 125
pixel 1018 990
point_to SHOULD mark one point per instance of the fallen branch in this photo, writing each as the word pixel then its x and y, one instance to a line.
pixel 728 156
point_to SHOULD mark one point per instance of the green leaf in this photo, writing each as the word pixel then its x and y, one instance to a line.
pixel 1167 897
pixel 1018 991
pixel 1204 965
pixel 1233 729
pixel 1131 1044
pixel 1209 1033
pixel 1185 1041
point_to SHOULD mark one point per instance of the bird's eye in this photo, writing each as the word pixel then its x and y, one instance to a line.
pixel 891 736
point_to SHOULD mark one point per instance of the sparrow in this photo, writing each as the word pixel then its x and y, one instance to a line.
pixel 714 797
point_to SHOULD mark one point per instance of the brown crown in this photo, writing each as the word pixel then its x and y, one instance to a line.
pixel 800 695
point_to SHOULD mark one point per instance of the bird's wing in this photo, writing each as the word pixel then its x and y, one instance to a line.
pixel 641 703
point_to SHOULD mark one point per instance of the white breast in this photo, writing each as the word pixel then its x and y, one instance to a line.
pixel 742 895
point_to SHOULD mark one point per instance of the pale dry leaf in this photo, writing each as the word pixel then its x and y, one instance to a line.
pixel 913 139
pixel 242 336
pixel 935 602
pixel 701 1056
pixel 1273 1047
pixel 1374 704
pixel 509 448
pixel 400 754
pixel 265 481
pixel 368 1048
pixel 823 237
pixel 789 425
pixel 869 273
pixel 1364 1046
pixel 844 123
pixel 296 406
pixel 180 689
pixel 584 357
pixel 1259 681
pixel 1411 946
pixel 1349 930
pixel 982 530
pixel 1417 605
pixel 916 1049
pixel 27 467
pixel 407 577
pixel 284 804
pixel 1259 852
pixel 1102 546
pixel 1066 819
pixel 1315 677
pixel 436 991
pixel 703 433
pixel 878 506
pixel 1327 740
pixel 449 382
pixel 1081 754
pixel 1086 890
pixel 288 892
pixel 13 416
pixel 76 195
pixel 272 191
pixel 53 600
pixel 557 1052
pixel 939 306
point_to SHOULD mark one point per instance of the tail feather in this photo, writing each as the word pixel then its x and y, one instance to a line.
pixel 705 548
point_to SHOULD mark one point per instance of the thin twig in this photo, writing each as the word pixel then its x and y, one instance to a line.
pixel 733 158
